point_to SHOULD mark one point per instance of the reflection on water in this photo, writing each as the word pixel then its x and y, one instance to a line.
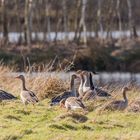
pixel 103 77
pixel 14 36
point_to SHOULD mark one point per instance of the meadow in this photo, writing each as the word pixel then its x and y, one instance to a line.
pixel 44 122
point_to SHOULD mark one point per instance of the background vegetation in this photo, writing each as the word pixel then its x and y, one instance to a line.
pixel 99 32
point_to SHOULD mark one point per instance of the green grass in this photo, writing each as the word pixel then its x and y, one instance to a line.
pixel 44 123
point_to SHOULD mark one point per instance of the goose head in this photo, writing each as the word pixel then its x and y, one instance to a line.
pixel 126 89
pixel 85 74
pixel 20 77
pixel 78 71
pixel 74 76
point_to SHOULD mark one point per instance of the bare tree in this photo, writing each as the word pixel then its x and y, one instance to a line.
pixel 48 22
pixel 4 21
pixel 119 15
pixel 76 27
pixel 28 21
pixel 132 27
pixel 99 16
pixel 109 18
pixel 82 24
pixel 18 22
pixel 65 18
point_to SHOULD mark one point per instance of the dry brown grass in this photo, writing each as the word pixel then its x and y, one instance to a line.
pixel 44 87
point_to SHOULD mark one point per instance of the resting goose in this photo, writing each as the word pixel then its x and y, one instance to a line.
pixel 119 104
pixel 6 96
pixel 66 94
pixel 72 103
pixel 26 96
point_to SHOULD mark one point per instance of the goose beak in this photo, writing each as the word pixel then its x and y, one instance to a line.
pixel 95 72
pixel 17 77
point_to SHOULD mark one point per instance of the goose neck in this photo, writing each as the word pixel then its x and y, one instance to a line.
pixel 87 82
pixel 73 90
pixel 124 96
pixel 91 82
pixel 23 84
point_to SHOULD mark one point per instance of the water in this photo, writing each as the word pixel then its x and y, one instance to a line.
pixel 14 36
pixel 103 77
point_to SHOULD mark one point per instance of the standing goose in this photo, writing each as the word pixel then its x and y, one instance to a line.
pixel 66 94
pixel 6 96
pixel 87 85
pixel 91 93
pixel 26 95
pixel 72 103
pixel 119 104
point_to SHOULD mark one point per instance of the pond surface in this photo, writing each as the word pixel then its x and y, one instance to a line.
pixel 102 77
pixel 14 36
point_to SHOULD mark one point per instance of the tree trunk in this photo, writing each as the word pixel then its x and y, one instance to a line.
pixel 132 27
pixel 119 16
pixel 4 21
pixel 19 28
pixel 65 21
pixel 28 22
pixel 82 24
pixel 48 22
pixel 100 17
pixel 76 19
pixel 57 28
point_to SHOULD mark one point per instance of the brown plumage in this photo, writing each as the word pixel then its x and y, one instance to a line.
pixel 66 94
pixel 27 96
pixel 72 103
pixel 119 104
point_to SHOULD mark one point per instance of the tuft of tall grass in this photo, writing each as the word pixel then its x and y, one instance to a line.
pixel 44 87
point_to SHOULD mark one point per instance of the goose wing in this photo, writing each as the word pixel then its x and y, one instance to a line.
pixel 90 94
pixel 6 96
pixel 58 98
pixel 75 102
pixel 29 96
pixel 102 93
pixel 114 105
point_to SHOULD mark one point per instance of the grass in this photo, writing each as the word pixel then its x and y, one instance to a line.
pixel 45 122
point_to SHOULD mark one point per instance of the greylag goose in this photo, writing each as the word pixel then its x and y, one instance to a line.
pixel 72 103
pixel 26 95
pixel 6 96
pixel 119 104
pixel 91 93
pixel 66 94
pixel 84 82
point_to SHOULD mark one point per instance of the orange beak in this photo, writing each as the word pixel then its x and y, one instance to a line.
pixel 17 77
